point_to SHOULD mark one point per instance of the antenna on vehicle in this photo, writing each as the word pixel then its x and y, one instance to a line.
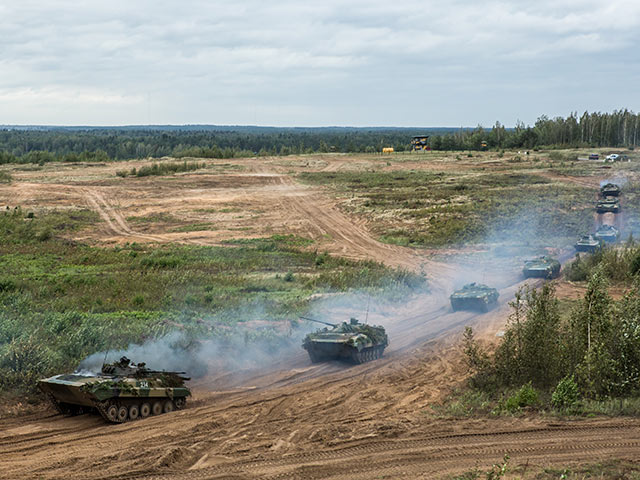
pixel 104 361
pixel 366 318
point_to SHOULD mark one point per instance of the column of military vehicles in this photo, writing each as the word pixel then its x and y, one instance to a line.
pixel 124 391
pixel 608 202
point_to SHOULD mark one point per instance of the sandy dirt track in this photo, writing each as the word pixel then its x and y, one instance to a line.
pixel 290 419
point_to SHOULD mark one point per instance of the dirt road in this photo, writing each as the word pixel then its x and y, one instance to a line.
pixel 294 419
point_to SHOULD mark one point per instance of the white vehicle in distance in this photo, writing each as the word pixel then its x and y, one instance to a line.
pixel 614 157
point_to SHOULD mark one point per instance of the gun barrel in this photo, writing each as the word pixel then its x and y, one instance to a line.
pixel 165 371
pixel 319 321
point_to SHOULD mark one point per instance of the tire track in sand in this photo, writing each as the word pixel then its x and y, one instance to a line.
pixel 350 239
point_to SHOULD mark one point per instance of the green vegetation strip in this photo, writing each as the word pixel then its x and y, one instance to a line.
pixel 61 301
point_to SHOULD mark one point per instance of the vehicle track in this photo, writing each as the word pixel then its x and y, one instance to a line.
pixel 428 454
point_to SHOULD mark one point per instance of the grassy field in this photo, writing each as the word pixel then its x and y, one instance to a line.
pixel 440 208
pixel 61 300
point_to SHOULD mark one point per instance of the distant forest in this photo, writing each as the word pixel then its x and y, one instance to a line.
pixel 32 144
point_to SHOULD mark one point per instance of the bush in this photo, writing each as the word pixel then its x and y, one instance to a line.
pixel 635 265
pixel 43 235
pixel 527 396
pixel 565 396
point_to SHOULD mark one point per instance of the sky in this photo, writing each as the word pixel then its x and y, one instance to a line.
pixel 315 63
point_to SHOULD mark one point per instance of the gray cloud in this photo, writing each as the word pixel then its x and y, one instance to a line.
pixel 314 63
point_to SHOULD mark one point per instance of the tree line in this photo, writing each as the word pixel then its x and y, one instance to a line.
pixel 620 128
pixel 41 145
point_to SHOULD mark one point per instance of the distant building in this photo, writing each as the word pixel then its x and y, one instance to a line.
pixel 420 143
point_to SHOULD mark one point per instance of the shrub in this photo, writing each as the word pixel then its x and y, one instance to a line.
pixel 635 265
pixel 527 396
pixel 565 396
pixel 43 235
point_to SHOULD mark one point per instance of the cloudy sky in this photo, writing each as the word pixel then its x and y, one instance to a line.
pixel 315 63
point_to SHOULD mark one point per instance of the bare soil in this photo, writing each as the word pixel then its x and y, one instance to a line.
pixel 291 418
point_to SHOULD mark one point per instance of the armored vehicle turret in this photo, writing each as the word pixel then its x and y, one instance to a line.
pixel 352 341
pixel 610 190
pixel 474 296
pixel 541 267
pixel 121 391
pixel 608 205
pixel 608 233
pixel 588 243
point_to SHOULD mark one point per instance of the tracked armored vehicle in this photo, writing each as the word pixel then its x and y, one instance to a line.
pixel 608 233
pixel 608 205
pixel 122 391
pixel 541 267
pixel 474 296
pixel 610 190
pixel 353 341
pixel 588 243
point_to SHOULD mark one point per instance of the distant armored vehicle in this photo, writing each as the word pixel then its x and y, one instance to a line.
pixel 594 156
pixel 610 190
pixel 588 243
pixel 353 341
pixel 474 296
pixel 122 391
pixel 541 267
pixel 608 205
pixel 608 233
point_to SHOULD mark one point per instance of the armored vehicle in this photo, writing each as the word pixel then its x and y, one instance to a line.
pixel 541 267
pixel 608 233
pixel 122 391
pixel 610 190
pixel 353 341
pixel 474 296
pixel 588 243
pixel 608 205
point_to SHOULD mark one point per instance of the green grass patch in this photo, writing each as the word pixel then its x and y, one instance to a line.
pixel 157 168
pixel 154 218
pixel 195 227
pixel 440 208
pixel 60 300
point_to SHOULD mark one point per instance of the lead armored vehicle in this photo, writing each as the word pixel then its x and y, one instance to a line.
pixel 353 341
pixel 610 190
pixel 588 243
pixel 608 233
pixel 541 267
pixel 474 296
pixel 121 391
pixel 608 205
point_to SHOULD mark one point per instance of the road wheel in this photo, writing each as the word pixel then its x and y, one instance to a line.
pixel 134 412
pixel 145 409
pixel 180 402
pixel 112 413
pixel 157 408
pixel 123 413
pixel 168 406
pixel 356 357
pixel 313 357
